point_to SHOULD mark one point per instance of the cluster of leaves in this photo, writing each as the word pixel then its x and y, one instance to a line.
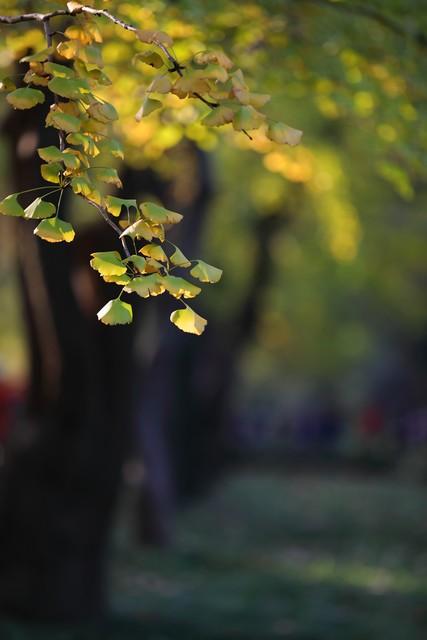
pixel 71 69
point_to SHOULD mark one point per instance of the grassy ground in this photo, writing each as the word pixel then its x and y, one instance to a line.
pixel 269 556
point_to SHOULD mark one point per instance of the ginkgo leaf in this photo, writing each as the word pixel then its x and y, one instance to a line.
pixel 58 70
pixel 139 229
pixel 11 207
pixel 148 106
pixel 146 286
pixel 215 57
pixel 103 111
pixel 40 209
pixel 33 78
pixel 138 262
pixel 219 117
pixel 160 84
pixel 179 287
pixel 121 280
pixel 114 147
pixel 115 312
pixel 179 259
pixel 154 251
pixel 25 98
pixel 108 175
pixel 247 118
pixel 108 263
pixel 55 230
pixel 114 205
pixel 63 121
pixel 50 154
pixel 81 185
pixel 84 140
pixel 206 272
pixel 150 36
pixel 158 214
pixel 151 58
pixel 153 266
pixel 51 172
pixel 189 321
pixel 70 88
pixel 256 100
pixel 40 56
pixel 281 133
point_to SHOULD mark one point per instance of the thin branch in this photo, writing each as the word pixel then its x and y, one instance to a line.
pixel 110 222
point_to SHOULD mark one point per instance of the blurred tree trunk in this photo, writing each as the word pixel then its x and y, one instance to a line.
pixel 60 481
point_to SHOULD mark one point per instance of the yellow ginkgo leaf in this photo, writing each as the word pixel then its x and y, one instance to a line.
pixel 206 272
pixel 189 321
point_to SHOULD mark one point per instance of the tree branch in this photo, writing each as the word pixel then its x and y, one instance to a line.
pixel 110 222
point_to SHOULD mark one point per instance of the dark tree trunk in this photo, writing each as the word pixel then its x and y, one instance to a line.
pixel 60 480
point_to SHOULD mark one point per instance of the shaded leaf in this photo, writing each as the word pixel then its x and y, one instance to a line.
pixel 108 175
pixel 51 172
pixel 281 133
pixel 139 229
pixel 58 70
pixel 69 88
pixel 219 117
pixel 63 121
pixel 148 106
pixel 25 98
pixel 114 205
pixel 151 58
pixel 248 118
pixel 154 251
pixel 179 259
pixel 149 36
pixel 11 207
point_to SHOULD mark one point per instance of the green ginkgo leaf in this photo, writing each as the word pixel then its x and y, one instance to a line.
pixel 114 147
pixel 180 288
pixel 206 272
pixel 145 286
pixel 108 175
pixel 50 154
pixel 63 121
pixel 55 230
pixel 103 111
pixel 39 209
pixel 281 133
pixel 189 321
pixel 11 207
pixel 70 88
pixel 218 117
pixel 40 56
pixel 51 172
pixel 139 229
pixel 248 118
pixel 25 98
pixel 138 262
pixel 151 58
pixel 115 312
pixel 108 263
pixel 58 70
pixel 159 215
pixel 84 140
pixel 148 106
pixel 154 251
pixel 179 259
pixel 114 205
pixel 81 185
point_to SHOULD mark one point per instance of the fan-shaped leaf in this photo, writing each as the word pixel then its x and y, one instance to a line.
pixel 146 286
pixel 55 230
pixel 159 215
pixel 11 207
pixel 206 272
pixel 116 312
pixel 281 133
pixel 108 263
pixel 40 209
pixel 189 321
pixel 25 98
pixel 179 287
pixel 154 251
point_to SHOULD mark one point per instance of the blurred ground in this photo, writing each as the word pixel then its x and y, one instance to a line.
pixel 305 556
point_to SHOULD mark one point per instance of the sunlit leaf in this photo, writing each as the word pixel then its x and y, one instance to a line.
pixel 108 263
pixel 40 209
pixel 114 205
pixel 59 70
pixel 206 272
pixel 138 262
pixel 154 251
pixel 73 89
pixel 189 321
pixel 179 259
pixel 108 175
pixel 150 36
pixel 179 287
pixel 63 121
pixel 25 98
pixel 145 286
pixel 116 312
pixel 82 186
pixel 103 111
pixel 55 230
pixel 7 84
pixel 213 57
pixel 51 172
pixel 159 215
pixel 148 106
